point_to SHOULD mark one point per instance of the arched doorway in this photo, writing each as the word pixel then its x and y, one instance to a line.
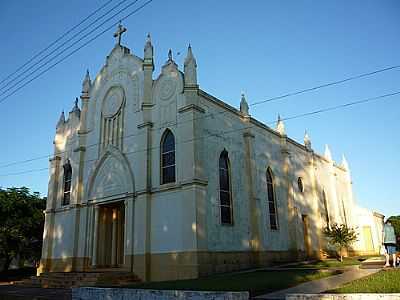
pixel 110 185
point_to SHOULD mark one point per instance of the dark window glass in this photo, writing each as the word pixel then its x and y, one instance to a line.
pixel 67 183
pixel 224 198
pixel 326 213
pixel 225 190
pixel 167 158
pixel 300 184
pixel 273 218
pixel 273 224
pixel 226 216
pixel 271 207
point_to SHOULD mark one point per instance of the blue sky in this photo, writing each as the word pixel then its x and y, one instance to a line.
pixel 265 48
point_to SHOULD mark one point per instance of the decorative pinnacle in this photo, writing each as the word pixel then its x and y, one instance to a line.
pixel 280 126
pixel 328 154
pixel 244 107
pixel 307 140
pixel 190 54
pixel 190 57
pixel 76 107
pixel 86 82
pixel 169 55
pixel 61 120
pixel 345 164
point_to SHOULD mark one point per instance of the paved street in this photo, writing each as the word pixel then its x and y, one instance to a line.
pixel 17 292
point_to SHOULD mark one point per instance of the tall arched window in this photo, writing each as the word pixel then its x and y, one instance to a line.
pixel 67 183
pixel 273 216
pixel 167 157
pixel 225 199
pixel 300 184
pixel 326 212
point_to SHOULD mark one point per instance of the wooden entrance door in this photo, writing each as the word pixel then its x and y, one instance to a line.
pixel 111 225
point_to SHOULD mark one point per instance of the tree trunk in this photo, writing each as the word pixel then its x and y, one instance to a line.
pixel 7 262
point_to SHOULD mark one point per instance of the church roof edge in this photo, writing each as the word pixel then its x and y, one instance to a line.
pixel 260 124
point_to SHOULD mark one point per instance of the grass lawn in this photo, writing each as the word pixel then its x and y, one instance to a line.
pixel 385 281
pixel 17 274
pixel 333 263
pixel 256 282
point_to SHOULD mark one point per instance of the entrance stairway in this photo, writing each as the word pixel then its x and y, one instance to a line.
pixel 78 279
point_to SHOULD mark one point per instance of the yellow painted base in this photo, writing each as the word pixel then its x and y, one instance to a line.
pixel 180 265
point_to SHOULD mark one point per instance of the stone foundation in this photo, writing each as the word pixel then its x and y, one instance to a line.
pixel 181 265
pixel 67 264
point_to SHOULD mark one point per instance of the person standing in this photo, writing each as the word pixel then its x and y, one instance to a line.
pixel 389 241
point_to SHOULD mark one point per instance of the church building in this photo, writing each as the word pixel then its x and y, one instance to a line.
pixel 155 176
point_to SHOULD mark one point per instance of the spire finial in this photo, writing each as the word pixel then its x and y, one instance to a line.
pixel 328 154
pixel 86 82
pixel 76 107
pixel 190 66
pixel 190 57
pixel 169 55
pixel 148 48
pixel 61 120
pixel 307 140
pixel 280 126
pixel 244 107
pixel 344 163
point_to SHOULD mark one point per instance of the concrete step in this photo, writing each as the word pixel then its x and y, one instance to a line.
pixel 76 279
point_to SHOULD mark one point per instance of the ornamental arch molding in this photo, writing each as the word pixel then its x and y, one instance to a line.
pixel 111 177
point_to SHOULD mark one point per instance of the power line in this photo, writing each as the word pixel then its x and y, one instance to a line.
pixel 342 106
pixel 325 85
pixel 70 46
pixel 191 120
pixel 218 134
pixel 253 104
pixel 56 41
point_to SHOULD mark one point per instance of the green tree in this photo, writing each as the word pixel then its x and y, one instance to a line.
pixel 21 225
pixel 340 236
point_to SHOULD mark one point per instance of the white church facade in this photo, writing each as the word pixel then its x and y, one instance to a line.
pixel 157 177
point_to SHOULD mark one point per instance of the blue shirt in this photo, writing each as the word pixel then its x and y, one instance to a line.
pixel 389 236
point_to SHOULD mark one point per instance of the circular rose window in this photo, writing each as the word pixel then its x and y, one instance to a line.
pixel 113 102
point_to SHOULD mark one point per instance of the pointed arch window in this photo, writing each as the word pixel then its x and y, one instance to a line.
pixel 168 157
pixel 67 183
pixel 325 212
pixel 300 184
pixel 225 197
pixel 273 216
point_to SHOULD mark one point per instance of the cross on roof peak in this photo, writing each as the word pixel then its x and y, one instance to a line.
pixel 120 30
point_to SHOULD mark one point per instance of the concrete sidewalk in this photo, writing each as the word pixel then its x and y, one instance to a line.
pixel 321 285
